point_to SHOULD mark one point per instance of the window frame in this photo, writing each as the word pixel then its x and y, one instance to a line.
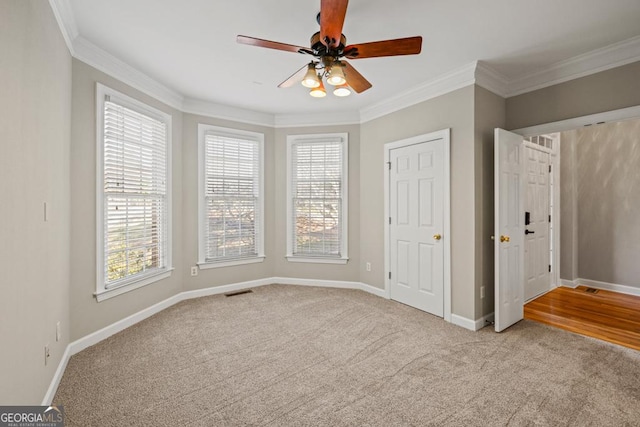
pixel 136 281
pixel 343 138
pixel 257 137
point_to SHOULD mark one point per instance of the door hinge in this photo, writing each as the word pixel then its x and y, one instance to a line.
pixel 549 168
pixel 549 268
pixel 389 275
pixel 389 165
pixel 389 220
pixel 549 218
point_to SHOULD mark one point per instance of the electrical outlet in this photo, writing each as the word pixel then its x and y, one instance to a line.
pixel 194 271
pixel 368 265
pixel 46 354
pixel 481 291
pixel 58 331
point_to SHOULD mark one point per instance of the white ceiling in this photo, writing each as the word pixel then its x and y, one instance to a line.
pixel 190 46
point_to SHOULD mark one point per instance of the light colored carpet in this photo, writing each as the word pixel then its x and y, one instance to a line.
pixel 306 356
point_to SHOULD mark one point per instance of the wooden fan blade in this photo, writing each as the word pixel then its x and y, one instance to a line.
pixel 332 13
pixel 252 41
pixel 355 80
pixel 295 77
pixel 396 47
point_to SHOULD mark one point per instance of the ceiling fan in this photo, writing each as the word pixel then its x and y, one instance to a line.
pixel 329 47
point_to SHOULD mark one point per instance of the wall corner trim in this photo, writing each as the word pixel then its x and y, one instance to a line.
pixel 472 325
pixel 569 283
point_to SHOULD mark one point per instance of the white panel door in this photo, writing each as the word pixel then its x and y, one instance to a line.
pixel 537 255
pixel 509 229
pixel 416 198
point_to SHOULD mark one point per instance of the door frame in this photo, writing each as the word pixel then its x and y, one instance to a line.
pixel 567 125
pixel 445 136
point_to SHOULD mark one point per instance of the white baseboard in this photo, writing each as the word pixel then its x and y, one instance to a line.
pixel 55 382
pixel 382 293
pixel 340 284
pixel 623 289
pixel 104 333
pixel 217 290
pixel 472 325
pixel 569 283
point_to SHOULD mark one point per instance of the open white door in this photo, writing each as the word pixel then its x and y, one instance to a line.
pixel 509 229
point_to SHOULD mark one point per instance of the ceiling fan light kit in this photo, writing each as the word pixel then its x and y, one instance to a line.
pixel 311 79
pixel 318 92
pixel 329 46
pixel 335 75
pixel 342 90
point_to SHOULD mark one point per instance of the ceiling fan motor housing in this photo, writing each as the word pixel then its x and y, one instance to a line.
pixel 320 50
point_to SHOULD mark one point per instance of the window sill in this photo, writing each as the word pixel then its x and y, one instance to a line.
pixel 230 263
pixel 147 280
pixel 317 260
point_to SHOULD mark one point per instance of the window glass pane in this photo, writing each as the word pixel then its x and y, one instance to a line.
pixel 135 193
pixel 316 191
pixel 232 197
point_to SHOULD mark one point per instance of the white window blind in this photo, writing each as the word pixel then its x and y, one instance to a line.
pixel 317 197
pixel 135 207
pixel 232 198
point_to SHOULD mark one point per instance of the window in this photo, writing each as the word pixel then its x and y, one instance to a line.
pixel 231 196
pixel 133 195
pixel 317 198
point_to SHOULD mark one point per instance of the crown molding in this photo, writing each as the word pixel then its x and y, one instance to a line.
pixel 477 72
pixel 491 79
pixel 91 54
pixel 66 21
pixel 606 58
pixel 337 118
pixel 456 79
pixel 226 112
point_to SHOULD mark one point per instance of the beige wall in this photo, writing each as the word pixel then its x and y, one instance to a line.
pixel 605 91
pixel 87 315
pixel 490 113
pixel 284 268
pixel 225 275
pixel 454 110
pixel 608 177
pixel 35 88
pixel 568 207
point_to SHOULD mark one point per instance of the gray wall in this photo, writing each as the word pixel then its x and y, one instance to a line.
pixel 568 207
pixel 490 113
pixel 454 110
pixel 35 88
pixel 605 91
pixel 225 275
pixel 607 171
pixel 87 315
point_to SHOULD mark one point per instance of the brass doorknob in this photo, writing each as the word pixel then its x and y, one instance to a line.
pixel 437 236
pixel 505 238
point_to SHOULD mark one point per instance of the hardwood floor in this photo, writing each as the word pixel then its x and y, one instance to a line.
pixel 606 315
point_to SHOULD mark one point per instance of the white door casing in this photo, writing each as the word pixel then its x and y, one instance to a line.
pixel 509 229
pixel 537 246
pixel 417 232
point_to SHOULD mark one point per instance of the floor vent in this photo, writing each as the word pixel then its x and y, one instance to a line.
pixel 591 291
pixel 233 294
